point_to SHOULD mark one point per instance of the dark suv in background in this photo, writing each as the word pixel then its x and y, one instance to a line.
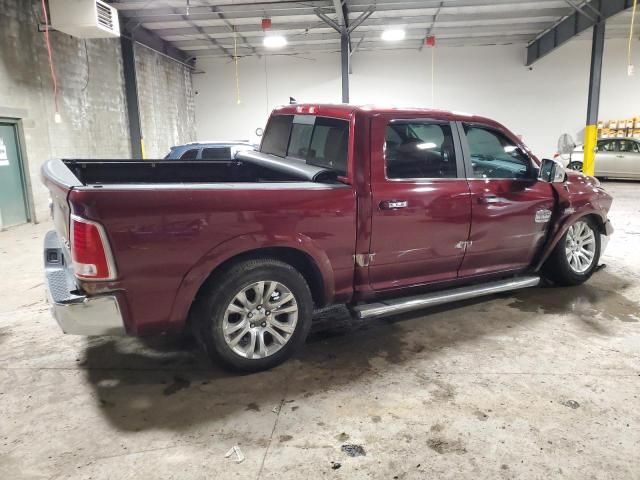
pixel 209 150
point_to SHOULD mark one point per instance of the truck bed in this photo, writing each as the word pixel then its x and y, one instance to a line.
pixel 248 167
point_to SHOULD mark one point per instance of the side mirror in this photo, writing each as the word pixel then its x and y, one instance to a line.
pixel 551 171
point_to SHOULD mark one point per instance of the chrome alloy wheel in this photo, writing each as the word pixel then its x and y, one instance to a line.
pixel 580 247
pixel 260 319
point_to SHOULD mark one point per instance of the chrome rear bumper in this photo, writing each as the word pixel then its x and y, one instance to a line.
pixel 76 313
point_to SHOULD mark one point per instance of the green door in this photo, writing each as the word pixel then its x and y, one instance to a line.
pixel 13 207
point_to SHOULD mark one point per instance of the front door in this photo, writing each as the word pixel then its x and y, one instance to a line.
pixel 511 210
pixel 421 206
pixel 606 160
pixel 628 156
pixel 13 206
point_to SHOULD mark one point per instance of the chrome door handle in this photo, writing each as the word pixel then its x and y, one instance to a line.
pixel 489 199
pixel 393 204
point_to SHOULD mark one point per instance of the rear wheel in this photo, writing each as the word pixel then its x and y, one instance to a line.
pixel 255 315
pixel 576 255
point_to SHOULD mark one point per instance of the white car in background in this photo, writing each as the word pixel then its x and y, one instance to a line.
pixel 615 158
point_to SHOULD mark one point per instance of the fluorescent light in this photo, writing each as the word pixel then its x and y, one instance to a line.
pixel 393 35
pixel 274 41
pixel 426 145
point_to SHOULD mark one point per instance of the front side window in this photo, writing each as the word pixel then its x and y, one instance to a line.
pixel 419 150
pixel 493 155
pixel 190 154
pixel 628 146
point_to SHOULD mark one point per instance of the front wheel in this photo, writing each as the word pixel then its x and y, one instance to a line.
pixel 575 257
pixel 576 166
pixel 255 315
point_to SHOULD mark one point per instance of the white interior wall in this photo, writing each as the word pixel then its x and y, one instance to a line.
pixel 539 104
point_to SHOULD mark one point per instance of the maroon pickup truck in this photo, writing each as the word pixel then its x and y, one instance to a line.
pixel 386 210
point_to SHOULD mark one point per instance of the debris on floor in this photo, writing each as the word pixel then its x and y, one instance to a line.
pixel 571 404
pixel 353 450
pixel 335 465
pixel 179 383
pixel 239 455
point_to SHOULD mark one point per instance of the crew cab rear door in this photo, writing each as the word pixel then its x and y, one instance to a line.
pixel 421 209
pixel 511 209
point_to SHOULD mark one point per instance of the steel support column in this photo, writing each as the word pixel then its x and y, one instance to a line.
pixel 131 94
pixel 342 26
pixel 595 75
pixel 345 60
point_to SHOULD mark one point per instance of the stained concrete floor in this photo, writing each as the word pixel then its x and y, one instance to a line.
pixel 543 383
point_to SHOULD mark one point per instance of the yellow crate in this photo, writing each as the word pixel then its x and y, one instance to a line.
pixel 613 124
pixel 637 123
pixel 635 133
pixel 630 123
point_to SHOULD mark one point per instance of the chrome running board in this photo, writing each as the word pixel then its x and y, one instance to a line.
pixel 406 304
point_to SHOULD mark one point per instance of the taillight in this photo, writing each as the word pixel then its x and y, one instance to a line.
pixel 90 250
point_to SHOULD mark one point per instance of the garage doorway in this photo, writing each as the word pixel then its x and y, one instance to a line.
pixel 13 196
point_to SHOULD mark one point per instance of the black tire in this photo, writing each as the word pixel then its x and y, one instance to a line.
pixel 576 166
pixel 557 267
pixel 220 291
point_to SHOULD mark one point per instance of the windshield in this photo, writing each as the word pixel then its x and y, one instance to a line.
pixel 318 141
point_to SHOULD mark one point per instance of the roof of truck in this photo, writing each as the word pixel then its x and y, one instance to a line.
pixel 345 110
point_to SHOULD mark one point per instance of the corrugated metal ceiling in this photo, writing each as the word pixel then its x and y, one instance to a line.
pixel 206 28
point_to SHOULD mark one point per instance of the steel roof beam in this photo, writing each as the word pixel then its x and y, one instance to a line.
pixel 444 21
pixel 417 32
pixel 332 46
pixel 580 11
pixel 571 26
pixel 152 40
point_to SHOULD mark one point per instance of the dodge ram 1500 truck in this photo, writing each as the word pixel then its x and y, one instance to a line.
pixel 386 210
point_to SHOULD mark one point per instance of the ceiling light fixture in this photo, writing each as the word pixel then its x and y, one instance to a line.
pixel 274 41
pixel 393 35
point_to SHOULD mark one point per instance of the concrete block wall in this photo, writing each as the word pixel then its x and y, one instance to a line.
pixel 91 95
pixel 167 107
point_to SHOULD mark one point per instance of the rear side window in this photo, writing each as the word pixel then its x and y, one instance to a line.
pixel 219 153
pixel 190 154
pixel 493 155
pixel 319 141
pixel 419 150
pixel 606 146
pixel 276 138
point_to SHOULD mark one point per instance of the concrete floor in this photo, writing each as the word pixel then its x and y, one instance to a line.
pixel 544 383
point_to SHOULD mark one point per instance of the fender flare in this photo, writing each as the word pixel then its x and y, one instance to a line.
pixel 242 244
pixel 563 226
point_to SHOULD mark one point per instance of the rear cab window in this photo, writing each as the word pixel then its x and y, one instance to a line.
pixel 319 141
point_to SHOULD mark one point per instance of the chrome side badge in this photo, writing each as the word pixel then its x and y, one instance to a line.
pixel 543 216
